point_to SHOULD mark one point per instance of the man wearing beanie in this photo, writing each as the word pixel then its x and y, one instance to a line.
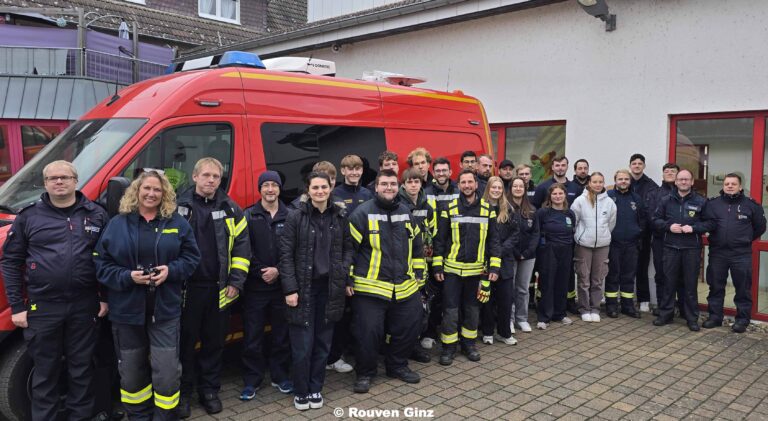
pixel 220 231
pixel 263 297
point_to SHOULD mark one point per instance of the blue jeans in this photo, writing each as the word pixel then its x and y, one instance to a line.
pixel 310 345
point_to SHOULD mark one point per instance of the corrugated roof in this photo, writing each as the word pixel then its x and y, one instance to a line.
pixel 50 98
pixel 176 28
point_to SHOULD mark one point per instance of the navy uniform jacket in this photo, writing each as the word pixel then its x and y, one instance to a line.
pixel 556 226
pixel 631 216
pixel 688 210
pixel 352 196
pixel 642 186
pixel 117 250
pixel 737 220
pixel 55 249
pixel 572 191
pixel 264 233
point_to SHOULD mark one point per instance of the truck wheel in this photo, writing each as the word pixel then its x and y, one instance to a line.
pixel 15 375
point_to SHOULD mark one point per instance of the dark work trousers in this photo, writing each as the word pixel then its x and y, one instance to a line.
pixel 56 330
pixel 342 335
pixel 620 282
pixel 657 246
pixel 496 314
pixel 681 267
pixel 311 344
pixel 435 317
pixel 375 317
pixel 201 319
pixel 460 293
pixel 571 304
pixel 642 285
pixel 148 362
pixel 555 262
pixel 259 309
pixel 739 263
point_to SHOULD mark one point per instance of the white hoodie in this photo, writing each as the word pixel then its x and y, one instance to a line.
pixel 594 224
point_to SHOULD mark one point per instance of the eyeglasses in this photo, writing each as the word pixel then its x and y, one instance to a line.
pixel 54 179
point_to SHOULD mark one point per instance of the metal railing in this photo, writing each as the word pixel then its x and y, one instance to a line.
pixel 66 62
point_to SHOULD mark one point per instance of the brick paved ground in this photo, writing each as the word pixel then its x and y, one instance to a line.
pixel 617 369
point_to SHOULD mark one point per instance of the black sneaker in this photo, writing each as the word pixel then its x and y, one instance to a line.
pixel 693 326
pixel 362 384
pixel 659 321
pixel 470 352
pixel 301 402
pixel 613 314
pixel 405 374
pixel 447 355
pixel 211 403
pixel 711 324
pixel 315 400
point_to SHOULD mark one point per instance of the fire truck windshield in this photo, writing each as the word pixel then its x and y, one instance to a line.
pixel 88 144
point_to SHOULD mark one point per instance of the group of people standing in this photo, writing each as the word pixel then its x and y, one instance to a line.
pixel 389 268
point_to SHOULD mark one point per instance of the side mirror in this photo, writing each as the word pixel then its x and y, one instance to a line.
pixel 115 190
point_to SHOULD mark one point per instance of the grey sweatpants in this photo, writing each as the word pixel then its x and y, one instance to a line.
pixel 591 265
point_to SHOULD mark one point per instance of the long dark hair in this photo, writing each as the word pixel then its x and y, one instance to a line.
pixel 525 208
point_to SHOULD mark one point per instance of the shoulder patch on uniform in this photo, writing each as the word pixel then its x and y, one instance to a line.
pixel 182 210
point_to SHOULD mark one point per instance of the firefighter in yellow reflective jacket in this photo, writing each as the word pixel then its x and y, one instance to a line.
pixel 385 279
pixel 222 236
pixel 466 259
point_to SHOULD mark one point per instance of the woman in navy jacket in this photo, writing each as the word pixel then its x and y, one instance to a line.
pixel 554 256
pixel 144 256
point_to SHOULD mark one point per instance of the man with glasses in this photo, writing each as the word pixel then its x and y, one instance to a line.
pixel 54 240
pixel 221 232
pixel 469 161
pixel 387 273
pixel 679 217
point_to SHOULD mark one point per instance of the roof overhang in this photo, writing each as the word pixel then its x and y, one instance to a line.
pixel 379 23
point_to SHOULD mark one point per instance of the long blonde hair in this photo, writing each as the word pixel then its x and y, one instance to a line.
pixel 130 201
pixel 504 204
pixel 592 196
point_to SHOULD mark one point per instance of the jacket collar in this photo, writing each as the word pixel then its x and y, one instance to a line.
pixel 732 198
pixel 80 201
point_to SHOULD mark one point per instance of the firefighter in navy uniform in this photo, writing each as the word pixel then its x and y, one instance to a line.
pixel 387 273
pixel 679 219
pixel 263 300
pixel 652 199
pixel 626 239
pixel 221 233
pixel 737 222
pixel 467 257
pixel 642 185
pixel 55 238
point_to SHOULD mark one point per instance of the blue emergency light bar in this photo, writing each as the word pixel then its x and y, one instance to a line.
pixel 227 59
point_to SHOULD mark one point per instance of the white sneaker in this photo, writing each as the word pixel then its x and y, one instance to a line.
pixel 645 307
pixel 566 321
pixel 512 326
pixel 340 366
pixel 525 326
pixel 509 341
pixel 488 340
pixel 586 317
pixel 595 317
pixel 427 343
pixel 542 326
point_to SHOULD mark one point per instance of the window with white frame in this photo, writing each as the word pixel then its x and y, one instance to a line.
pixel 223 10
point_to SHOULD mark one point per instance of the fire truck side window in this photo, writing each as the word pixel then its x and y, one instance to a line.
pixel 292 150
pixel 177 149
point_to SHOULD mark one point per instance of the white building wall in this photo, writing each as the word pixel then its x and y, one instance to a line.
pixel 616 90
pixel 325 9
